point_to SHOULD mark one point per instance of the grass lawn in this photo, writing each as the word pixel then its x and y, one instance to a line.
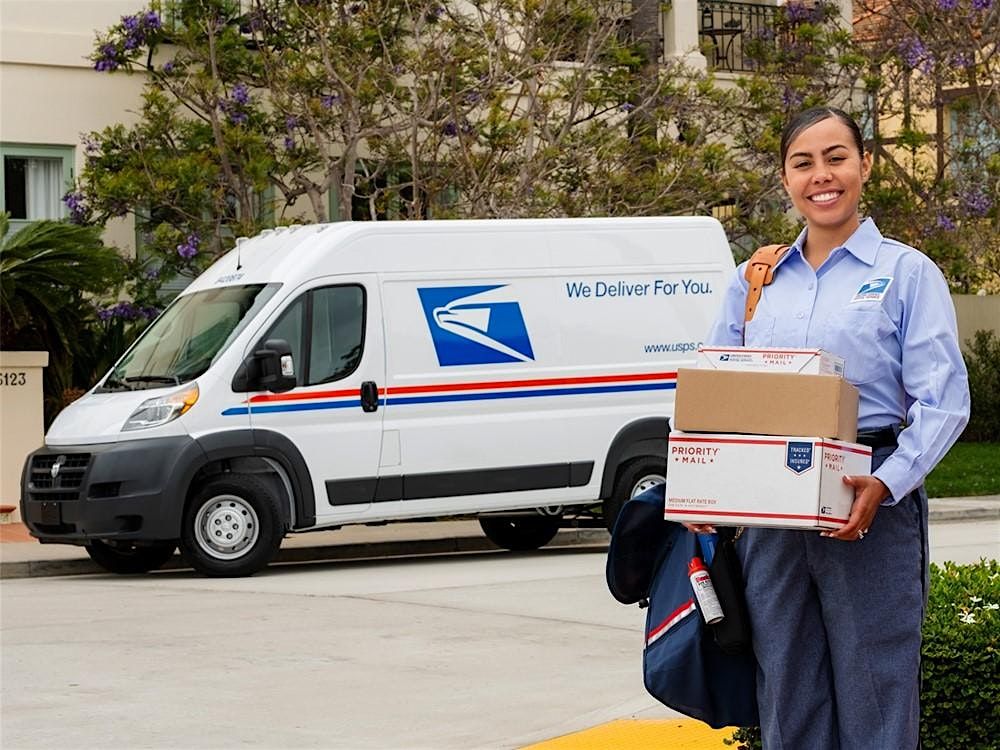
pixel 968 469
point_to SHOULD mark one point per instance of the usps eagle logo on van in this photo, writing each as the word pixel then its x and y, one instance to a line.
pixel 475 325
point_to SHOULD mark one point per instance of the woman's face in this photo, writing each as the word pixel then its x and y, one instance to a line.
pixel 823 174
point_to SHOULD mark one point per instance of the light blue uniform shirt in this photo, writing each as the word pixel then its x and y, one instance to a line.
pixel 886 309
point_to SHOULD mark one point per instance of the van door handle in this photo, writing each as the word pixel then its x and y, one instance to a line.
pixel 369 396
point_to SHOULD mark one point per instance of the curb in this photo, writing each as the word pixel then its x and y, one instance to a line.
pixel 596 539
pixel 590 538
pixel 961 514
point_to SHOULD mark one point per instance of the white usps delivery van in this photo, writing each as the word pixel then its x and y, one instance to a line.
pixel 521 371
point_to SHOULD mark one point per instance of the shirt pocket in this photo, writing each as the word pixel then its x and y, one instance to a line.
pixel 759 331
pixel 856 335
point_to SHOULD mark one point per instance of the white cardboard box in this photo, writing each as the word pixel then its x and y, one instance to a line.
pixel 803 361
pixel 761 480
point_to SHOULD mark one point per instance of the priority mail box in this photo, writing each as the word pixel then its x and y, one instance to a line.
pixel 802 361
pixel 765 403
pixel 759 480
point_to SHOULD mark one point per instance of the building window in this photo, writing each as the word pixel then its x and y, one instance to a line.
pixel 35 178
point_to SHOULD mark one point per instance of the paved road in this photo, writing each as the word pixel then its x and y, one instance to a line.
pixel 485 650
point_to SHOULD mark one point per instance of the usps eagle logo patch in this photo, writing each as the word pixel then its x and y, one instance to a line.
pixel 873 290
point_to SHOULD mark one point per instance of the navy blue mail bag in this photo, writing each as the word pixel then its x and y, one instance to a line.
pixel 683 666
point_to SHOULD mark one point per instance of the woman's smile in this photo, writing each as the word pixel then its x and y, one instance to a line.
pixel 826 197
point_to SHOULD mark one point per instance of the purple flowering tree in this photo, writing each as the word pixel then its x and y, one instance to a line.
pixel 933 101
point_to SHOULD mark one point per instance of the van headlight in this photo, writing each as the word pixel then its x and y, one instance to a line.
pixel 160 410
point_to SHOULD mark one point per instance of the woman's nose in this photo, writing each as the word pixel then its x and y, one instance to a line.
pixel 821 174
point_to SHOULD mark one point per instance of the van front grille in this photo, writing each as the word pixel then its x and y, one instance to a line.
pixel 57 472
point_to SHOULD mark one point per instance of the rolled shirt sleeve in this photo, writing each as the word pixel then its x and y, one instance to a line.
pixel 934 379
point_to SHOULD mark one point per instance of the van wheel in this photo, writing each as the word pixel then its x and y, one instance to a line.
pixel 519 533
pixel 635 477
pixel 128 558
pixel 232 527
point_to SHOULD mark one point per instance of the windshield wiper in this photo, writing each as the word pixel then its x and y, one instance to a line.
pixel 171 379
pixel 114 384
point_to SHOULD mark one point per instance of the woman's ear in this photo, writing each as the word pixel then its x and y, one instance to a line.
pixel 866 166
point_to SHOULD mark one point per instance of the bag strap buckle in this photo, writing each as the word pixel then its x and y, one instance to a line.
pixel 759 273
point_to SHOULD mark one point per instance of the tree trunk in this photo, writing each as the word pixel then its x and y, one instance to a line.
pixel 645 26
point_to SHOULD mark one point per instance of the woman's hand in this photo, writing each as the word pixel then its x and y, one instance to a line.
pixel 869 492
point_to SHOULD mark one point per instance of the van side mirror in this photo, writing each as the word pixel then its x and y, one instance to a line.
pixel 270 367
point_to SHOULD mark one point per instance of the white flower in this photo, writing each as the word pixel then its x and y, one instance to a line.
pixel 967 617
pixel 975 599
pixel 991 606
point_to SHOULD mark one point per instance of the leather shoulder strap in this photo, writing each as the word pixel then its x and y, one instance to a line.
pixel 760 273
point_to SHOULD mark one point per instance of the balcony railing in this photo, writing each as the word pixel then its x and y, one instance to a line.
pixel 725 28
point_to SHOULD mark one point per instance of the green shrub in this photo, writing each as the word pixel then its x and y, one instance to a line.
pixel 960 698
pixel 960 694
pixel 983 363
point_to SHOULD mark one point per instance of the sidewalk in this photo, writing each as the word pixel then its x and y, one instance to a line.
pixel 21 556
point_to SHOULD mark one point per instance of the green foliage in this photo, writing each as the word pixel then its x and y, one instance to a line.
pixel 45 270
pixel 983 363
pixel 960 691
pixel 967 469
pixel 505 108
pixel 51 275
pixel 960 696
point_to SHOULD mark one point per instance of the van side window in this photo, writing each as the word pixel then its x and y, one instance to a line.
pixel 335 319
pixel 338 324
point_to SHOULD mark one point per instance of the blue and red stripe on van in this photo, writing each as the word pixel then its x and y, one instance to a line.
pixel 453 392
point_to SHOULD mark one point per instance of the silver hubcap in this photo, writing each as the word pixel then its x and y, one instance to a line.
pixel 226 527
pixel 647 482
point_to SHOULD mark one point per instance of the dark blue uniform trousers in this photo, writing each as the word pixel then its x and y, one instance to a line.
pixel 836 629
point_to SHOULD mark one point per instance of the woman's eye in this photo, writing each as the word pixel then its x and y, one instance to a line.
pixel 799 165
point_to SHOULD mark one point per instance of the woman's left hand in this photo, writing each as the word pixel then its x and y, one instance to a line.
pixel 869 492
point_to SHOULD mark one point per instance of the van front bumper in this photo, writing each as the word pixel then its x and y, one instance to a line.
pixel 132 490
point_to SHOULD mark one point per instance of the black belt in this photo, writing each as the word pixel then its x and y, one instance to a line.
pixel 884 437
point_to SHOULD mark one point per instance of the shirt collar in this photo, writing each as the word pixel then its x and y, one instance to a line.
pixel 863 244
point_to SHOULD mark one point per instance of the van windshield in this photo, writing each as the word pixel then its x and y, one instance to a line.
pixel 186 339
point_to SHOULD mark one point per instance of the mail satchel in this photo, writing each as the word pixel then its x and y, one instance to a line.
pixel 683 666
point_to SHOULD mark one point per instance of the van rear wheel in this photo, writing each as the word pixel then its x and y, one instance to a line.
pixel 129 558
pixel 232 527
pixel 520 533
pixel 635 477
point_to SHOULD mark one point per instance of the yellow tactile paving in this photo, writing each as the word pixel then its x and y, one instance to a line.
pixel 642 734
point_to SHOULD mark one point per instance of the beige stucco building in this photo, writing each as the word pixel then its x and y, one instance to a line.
pixel 50 96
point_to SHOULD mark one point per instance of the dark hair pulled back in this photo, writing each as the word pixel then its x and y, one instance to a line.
pixel 809 117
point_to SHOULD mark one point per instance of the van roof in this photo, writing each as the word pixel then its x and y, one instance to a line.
pixel 295 253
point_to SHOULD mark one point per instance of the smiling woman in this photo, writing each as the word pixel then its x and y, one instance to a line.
pixel 823 175
pixel 856 595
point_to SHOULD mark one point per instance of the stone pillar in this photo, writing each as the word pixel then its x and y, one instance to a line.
pixel 21 420
pixel 680 34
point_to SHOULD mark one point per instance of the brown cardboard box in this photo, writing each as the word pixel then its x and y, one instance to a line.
pixel 766 403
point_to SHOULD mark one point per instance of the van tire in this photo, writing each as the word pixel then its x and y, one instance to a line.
pixel 127 558
pixel 520 533
pixel 637 475
pixel 244 514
